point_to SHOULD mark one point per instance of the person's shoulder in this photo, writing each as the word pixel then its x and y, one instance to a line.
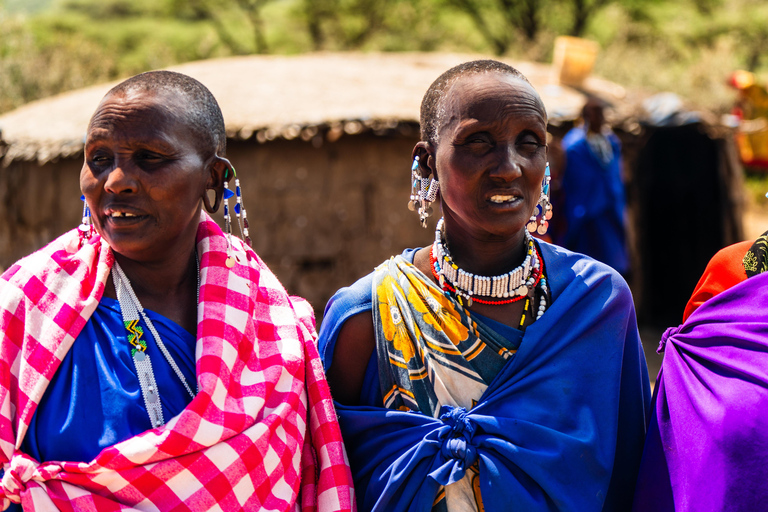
pixel 724 270
pixel 613 138
pixel 344 304
pixel 730 258
pixel 357 296
pixel 352 297
pixel 574 260
pixel 565 266
pixel 574 135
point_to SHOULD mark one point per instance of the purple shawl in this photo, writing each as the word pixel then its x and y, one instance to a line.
pixel 707 444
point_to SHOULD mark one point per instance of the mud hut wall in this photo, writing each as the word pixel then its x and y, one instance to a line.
pixel 320 217
pixel 323 217
pixel 37 204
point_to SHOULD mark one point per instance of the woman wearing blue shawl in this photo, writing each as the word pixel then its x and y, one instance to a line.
pixel 487 371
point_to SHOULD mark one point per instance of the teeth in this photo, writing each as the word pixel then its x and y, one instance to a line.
pixel 122 214
pixel 502 199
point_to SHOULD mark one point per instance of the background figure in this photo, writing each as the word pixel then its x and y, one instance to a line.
pixel 751 109
pixel 593 191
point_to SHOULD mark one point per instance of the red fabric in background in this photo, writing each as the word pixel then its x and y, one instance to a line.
pixel 723 271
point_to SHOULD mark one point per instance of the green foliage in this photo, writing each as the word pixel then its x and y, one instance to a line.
pixel 25 6
pixel 686 46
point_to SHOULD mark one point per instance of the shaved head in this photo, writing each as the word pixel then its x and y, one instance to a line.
pixel 201 112
pixel 431 105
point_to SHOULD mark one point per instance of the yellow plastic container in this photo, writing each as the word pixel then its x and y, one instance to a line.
pixel 574 59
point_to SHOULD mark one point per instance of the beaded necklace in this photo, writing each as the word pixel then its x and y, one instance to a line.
pixel 507 288
pixel 131 310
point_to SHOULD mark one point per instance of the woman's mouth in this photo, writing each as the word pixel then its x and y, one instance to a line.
pixel 504 199
pixel 120 217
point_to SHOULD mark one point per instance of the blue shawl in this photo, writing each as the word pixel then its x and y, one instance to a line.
pixel 561 427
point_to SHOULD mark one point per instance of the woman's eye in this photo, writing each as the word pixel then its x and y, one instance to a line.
pixel 530 145
pixel 478 139
pixel 149 158
pixel 100 159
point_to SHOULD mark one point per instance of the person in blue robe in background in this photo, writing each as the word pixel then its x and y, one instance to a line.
pixel 594 192
pixel 488 371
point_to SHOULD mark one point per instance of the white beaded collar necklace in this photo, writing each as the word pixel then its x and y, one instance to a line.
pixel 131 310
pixel 513 285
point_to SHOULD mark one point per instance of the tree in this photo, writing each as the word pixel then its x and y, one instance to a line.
pixel 583 10
pixel 223 15
pixel 516 17
pixel 350 24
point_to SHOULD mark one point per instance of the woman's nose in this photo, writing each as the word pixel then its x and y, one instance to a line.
pixel 508 165
pixel 121 179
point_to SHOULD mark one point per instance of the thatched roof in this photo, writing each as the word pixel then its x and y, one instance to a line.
pixel 267 97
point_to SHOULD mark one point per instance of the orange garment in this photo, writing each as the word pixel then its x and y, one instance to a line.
pixel 723 271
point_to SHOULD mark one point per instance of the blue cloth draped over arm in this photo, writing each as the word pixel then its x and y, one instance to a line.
pixel 560 428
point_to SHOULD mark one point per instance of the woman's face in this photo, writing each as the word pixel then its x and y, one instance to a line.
pixel 143 176
pixel 491 155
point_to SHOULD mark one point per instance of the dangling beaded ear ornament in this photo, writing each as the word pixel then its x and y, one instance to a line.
pixel 423 193
pixel 240 213
pixel 230 262
pixel 242 218
pixel 414 203
pixel 427 194
pixel 86 225
pixel 543 210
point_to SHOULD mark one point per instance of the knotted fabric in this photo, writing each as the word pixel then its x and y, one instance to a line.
pixel 260 433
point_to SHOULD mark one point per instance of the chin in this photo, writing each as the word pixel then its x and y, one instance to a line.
pixel 508 225
pixel 132 249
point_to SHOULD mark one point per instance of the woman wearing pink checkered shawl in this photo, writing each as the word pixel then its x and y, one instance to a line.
pixel 155 363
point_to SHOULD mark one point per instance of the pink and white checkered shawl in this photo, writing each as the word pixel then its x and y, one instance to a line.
pixel 243 443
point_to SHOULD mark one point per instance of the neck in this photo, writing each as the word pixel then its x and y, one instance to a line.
pixel 169 277
pixel 486 255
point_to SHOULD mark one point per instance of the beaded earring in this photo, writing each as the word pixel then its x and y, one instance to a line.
pixel 242 218
pixel 414 203
pixel 86 224
pixel 423 193
pixel 544 209
pixel 240 213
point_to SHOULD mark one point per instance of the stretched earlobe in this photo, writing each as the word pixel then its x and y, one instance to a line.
pixel 219 174
pixel 211 208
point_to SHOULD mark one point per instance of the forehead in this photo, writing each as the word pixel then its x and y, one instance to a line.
pixel 491 94
pixel 133 113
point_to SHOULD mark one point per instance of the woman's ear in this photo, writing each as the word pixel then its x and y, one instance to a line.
pixel 220 171
pixel 425 152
